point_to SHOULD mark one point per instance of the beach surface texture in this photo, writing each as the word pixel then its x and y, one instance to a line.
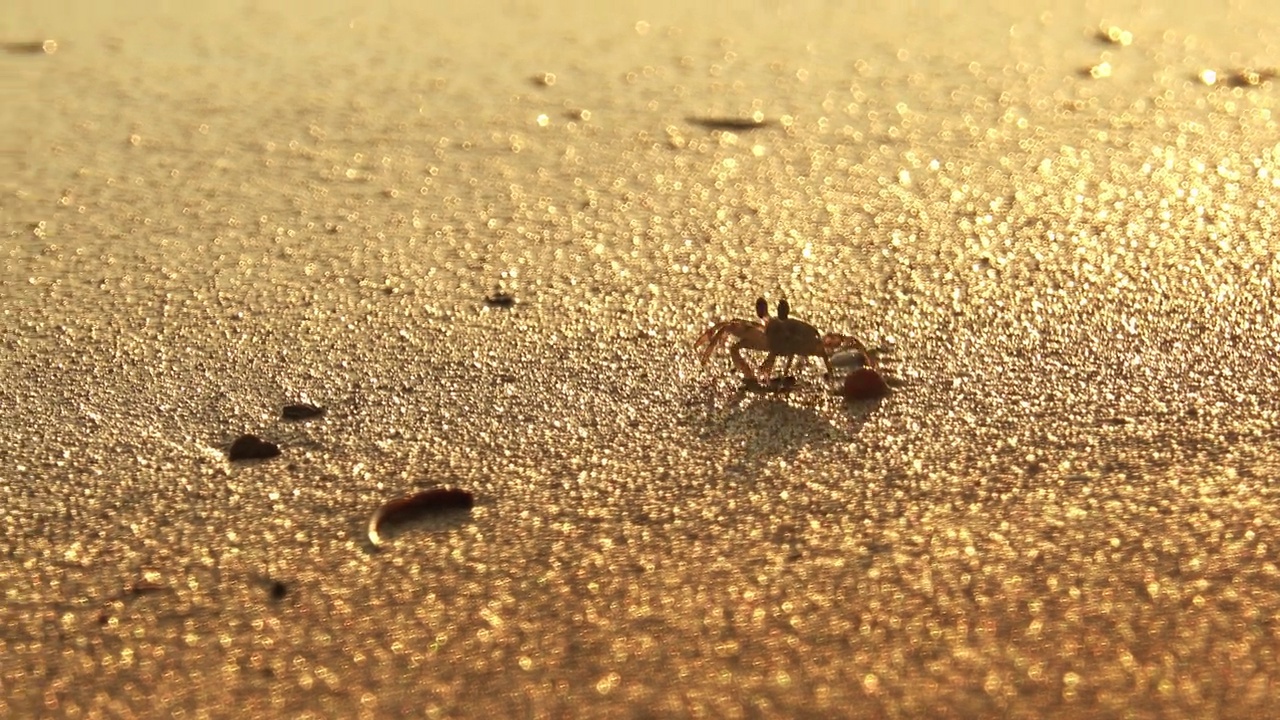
pixel 347 360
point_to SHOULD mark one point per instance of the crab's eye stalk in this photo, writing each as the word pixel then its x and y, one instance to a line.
pixel 762 308
pixel 784 309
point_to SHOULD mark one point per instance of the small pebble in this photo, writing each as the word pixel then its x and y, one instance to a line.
pixel 730 124
pixel 278 590
pixel 301 411
pixel 252 447
pixel 37 47
pixel 864 384
pixel 500 299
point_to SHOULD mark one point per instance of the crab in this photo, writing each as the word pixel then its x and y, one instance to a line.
pixel 780 336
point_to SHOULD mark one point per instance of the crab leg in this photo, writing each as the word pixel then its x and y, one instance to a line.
pixel 766 367
pixel 735 352
pixel 707 341
pixel 714 336
pixel 826 360
pixel 749 334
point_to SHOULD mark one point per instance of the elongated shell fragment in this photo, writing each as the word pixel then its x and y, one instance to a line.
pixel 427 502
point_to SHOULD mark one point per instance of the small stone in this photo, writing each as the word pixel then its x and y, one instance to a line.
pixel 1112 35
pixel 278 590
pixel 36 47
pixel 252 447
pixel 301 411
pixel 864 384
pixel 730 124
pixel 500 299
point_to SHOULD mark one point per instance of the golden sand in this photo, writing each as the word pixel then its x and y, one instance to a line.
pixel 1064 232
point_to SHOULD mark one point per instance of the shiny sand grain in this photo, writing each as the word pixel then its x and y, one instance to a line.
pixel 1067 509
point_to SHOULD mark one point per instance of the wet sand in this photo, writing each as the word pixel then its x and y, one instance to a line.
pixel 1066 239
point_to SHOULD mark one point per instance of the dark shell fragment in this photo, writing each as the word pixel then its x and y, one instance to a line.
pixel 500 299
pixel 301 411
pixel 252 447
pixel 427 502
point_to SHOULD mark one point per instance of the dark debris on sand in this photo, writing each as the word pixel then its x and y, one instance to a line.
pixel 252 447
pixel 301 411
pixel 864 384
pixel 500 299
pixel 728 123
pixel 421 504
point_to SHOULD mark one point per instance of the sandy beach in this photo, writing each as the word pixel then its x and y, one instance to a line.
pixel 484 240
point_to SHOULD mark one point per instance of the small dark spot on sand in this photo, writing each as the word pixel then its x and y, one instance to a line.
pixel 35 47
pixel 277 590
pixel 1246 77
pixel 506 378
pixel 301 411
pixel 728 123
pixel 1113 35
pixel 252 447
pixel 143 588
pixel 1101 71
pixel 500 299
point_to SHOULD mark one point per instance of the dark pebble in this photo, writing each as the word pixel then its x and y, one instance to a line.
pixel 301 411
pixel 278 590
pixel 38 47
pixel 1249 78
pixel 500 299
pixel 427 502
pixel 727 123
pixel 252 447
pixel 864 384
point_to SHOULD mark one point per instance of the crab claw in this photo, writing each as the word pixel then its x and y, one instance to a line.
pixel 848 346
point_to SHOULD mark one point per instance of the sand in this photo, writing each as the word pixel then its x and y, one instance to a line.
pixel 1066 508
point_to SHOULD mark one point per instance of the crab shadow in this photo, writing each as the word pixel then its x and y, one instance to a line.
pixel 769 422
